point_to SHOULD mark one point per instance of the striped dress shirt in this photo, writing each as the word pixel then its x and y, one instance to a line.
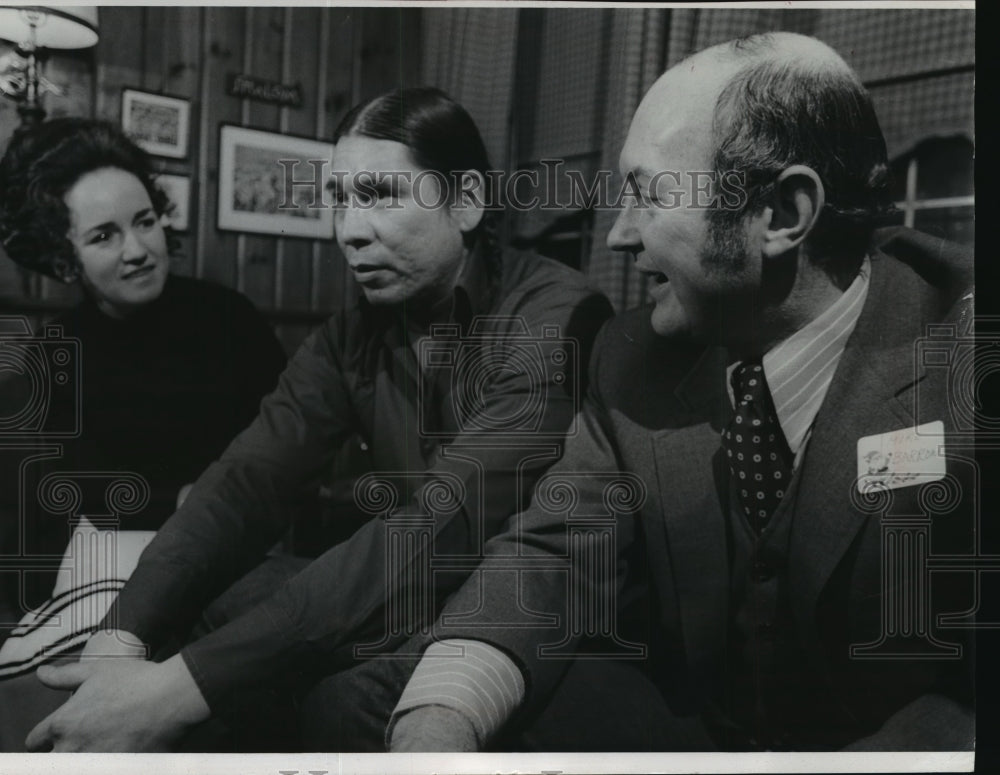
pixel 799 369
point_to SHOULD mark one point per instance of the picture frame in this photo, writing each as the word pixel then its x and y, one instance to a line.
pixel 178 189
pixel 256 192
pixel 158 123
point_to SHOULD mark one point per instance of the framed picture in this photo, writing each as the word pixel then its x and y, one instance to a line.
pixel 273 183
pixel 158 123
pixel 178 190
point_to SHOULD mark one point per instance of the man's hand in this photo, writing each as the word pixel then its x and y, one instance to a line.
pixel 119 705
pixel 433 729
pixel 113 643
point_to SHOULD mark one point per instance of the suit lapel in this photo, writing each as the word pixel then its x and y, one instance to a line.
pixel 691 522
pixel 865 397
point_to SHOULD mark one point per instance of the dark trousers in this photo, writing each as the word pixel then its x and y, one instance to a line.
pixel 262 717
pixel 600 705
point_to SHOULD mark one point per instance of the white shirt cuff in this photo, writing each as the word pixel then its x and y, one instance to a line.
pixel 470 677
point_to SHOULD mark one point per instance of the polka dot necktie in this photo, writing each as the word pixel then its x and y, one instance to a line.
pixel 755 446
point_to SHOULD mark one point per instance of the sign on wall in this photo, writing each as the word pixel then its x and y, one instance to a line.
pixel 250 87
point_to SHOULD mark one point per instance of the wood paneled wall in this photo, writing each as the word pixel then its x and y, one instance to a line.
pixel 339 55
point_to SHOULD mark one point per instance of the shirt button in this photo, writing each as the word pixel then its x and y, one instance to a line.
pixel 762 572
pixel 364 446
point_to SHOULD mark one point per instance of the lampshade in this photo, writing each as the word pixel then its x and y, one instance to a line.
pixel 59 26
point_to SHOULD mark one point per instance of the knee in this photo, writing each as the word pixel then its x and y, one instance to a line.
pixel 349 711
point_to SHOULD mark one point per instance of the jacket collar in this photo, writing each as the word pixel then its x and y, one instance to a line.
pixel 870 393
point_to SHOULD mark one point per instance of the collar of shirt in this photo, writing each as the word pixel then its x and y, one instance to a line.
pixel 799 369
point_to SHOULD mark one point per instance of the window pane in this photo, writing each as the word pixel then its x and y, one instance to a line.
pixel 944 168
pixel 897 178
pixel 953 223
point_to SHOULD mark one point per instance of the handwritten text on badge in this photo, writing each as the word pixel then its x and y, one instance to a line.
pixel 903 458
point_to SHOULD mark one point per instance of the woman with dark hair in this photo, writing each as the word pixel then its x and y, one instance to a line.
pixel 168 368
pixel 172 367
pixel 446 428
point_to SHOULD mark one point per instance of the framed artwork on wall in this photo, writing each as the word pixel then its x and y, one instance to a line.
pixel 272 183
pixel 157 122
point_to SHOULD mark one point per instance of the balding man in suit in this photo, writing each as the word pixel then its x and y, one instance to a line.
pixel 794 445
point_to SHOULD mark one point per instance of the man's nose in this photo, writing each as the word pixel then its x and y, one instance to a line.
pixel 622 235
pixel 353 225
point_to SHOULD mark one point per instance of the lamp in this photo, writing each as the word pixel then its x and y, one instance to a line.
pixel 30 28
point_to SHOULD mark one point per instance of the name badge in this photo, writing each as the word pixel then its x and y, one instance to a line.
pixel 903 458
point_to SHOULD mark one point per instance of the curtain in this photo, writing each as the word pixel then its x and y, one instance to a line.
pixel 637 59
pixel 469 53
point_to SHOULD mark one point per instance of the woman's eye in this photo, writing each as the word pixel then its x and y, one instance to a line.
pixel 100 237
pixel 147 223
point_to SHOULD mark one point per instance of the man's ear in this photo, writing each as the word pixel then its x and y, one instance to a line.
pixel 469 201
pixel 795 206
